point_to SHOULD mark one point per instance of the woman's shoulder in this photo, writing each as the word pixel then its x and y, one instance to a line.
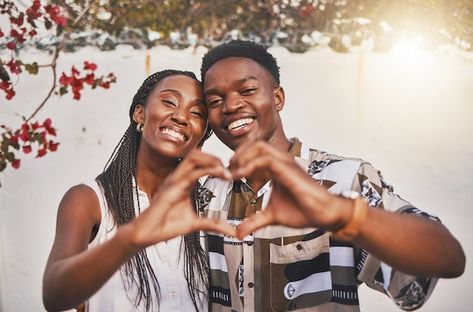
pixel 81 201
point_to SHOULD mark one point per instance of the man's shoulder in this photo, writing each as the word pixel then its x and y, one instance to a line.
pixel 320 155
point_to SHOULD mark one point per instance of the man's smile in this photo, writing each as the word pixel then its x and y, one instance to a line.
pixel 240 126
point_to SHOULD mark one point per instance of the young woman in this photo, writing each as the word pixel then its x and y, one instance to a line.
pixel 129 240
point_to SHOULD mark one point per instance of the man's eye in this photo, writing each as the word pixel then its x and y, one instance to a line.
pixel 216 102
pixel 248 91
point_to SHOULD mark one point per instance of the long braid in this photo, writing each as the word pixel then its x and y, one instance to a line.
pixel 118 180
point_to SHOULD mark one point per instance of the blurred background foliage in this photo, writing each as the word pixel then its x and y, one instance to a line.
pixel 343 25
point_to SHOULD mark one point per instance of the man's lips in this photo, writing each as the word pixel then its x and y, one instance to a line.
pixel 240 123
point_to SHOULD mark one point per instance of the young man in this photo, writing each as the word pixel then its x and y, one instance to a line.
pixel 312 226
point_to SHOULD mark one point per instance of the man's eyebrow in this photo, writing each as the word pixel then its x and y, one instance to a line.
pixel 238 82
pixel 242 81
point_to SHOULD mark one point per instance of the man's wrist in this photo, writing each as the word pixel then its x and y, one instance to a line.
pixel 358 215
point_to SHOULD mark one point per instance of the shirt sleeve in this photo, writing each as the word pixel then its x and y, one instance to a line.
pixel 407 291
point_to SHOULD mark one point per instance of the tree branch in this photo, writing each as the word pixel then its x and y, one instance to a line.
pixel 54 61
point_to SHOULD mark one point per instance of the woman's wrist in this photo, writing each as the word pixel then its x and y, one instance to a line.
pixel 126 237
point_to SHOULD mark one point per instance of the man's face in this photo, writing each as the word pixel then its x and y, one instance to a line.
pixel 243 102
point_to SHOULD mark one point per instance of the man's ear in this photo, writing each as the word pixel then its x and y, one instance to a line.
pixel 139 114
pixel 279 98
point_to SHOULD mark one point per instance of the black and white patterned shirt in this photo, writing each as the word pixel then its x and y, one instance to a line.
pixel 279 268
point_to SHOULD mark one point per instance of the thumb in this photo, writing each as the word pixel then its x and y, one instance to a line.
pixel 253 223
pixel 215 225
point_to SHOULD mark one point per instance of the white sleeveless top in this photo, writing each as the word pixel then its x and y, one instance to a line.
pixel 166 259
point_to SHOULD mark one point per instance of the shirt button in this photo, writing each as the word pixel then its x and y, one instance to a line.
pixel 253 202
pixel 292 306
pixel 299 247
pixel 250 284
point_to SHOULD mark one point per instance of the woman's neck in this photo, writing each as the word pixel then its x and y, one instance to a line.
pixel 151 170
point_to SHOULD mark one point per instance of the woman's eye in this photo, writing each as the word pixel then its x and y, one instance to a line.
pixel 198 114
pixel 169 102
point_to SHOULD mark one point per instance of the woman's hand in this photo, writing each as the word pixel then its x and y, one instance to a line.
pixel 171 212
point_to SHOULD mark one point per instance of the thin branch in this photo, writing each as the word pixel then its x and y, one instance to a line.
pixel 53 68
pixel 53 63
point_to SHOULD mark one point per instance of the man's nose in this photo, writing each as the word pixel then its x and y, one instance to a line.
pixel 232 104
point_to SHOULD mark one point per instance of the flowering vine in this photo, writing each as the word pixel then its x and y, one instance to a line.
pixel 32 136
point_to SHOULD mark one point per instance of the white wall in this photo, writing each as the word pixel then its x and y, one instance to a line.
pixel 410 118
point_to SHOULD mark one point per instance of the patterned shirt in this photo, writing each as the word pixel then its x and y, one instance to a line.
pixel 279 268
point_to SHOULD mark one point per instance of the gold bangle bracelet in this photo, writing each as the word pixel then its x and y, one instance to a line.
pixel 358 215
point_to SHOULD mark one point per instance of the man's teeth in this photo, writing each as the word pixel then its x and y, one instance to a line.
pixel 240 123
pixel 173 133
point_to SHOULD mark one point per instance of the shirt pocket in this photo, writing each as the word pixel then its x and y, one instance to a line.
pixel 300 274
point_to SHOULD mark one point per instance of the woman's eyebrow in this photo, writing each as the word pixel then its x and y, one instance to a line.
pixel 176 92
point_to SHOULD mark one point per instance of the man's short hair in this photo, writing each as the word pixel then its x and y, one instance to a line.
pixel 241 48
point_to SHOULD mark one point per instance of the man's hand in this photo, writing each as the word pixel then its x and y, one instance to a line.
pixel 297 200
pixel 171 212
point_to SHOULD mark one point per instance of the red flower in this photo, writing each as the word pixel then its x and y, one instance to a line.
pixel 76 96
pixel 11 45
pixel 5 85
pixel 14 66
pixel 19 20
pixel 27 149
pixel 77 85
pixel 32 14
pixel 53 146
pixel 61 21
pixel 10 94
pixel 32 33
pixel 47 123
pixel 74 71
pixel 43 136
pixel 65 80
pixel 36 5
pixel 25 127
pixel 54 13
pixel 19 37
pixel 14 138
pixel 35 125
pixel 89 79
pixel 41 153
pixel 105 85
pixel 1 33
pixel 90 66
pixel 16 163
pixel 51 131
pixel 24 136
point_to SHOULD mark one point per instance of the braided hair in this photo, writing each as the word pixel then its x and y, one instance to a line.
pixel 118 181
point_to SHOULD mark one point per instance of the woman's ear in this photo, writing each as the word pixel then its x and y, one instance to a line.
pixel 139 114
pixel 279 98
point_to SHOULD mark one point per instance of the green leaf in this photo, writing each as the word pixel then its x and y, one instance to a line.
pixel 3 165
pixel 15 146
pixel 62 90
pixel 32 68
pixel 4 74
pixel 10 157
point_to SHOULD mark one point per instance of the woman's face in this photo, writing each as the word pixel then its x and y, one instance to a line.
pixel 174 117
